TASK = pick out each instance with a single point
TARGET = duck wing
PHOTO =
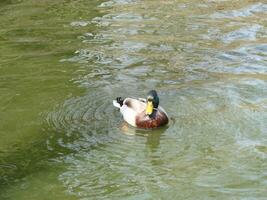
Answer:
(130, 109)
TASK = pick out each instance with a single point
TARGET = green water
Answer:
(62, 63)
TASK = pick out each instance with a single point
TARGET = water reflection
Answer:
(246, 11)
(152, 137)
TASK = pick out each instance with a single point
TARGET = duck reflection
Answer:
(152, 136)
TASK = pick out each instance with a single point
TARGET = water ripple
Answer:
(210, 74)
(244, 12)
(116, 3)
(79, 23)
(245, 33)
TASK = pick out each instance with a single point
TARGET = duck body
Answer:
(135, 112)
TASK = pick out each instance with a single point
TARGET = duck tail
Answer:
(118, 102)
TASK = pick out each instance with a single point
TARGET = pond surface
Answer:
(62, 62)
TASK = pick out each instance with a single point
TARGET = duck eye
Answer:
(149, 100)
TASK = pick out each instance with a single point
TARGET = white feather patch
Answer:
(129, 115)
(116, 104)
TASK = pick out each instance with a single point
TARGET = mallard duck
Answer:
(142, 113)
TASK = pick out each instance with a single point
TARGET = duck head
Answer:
(152, 102)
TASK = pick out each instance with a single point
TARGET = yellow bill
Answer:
(149, 108)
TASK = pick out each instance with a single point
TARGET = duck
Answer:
(142, 113)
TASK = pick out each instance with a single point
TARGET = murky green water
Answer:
(62, 62)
